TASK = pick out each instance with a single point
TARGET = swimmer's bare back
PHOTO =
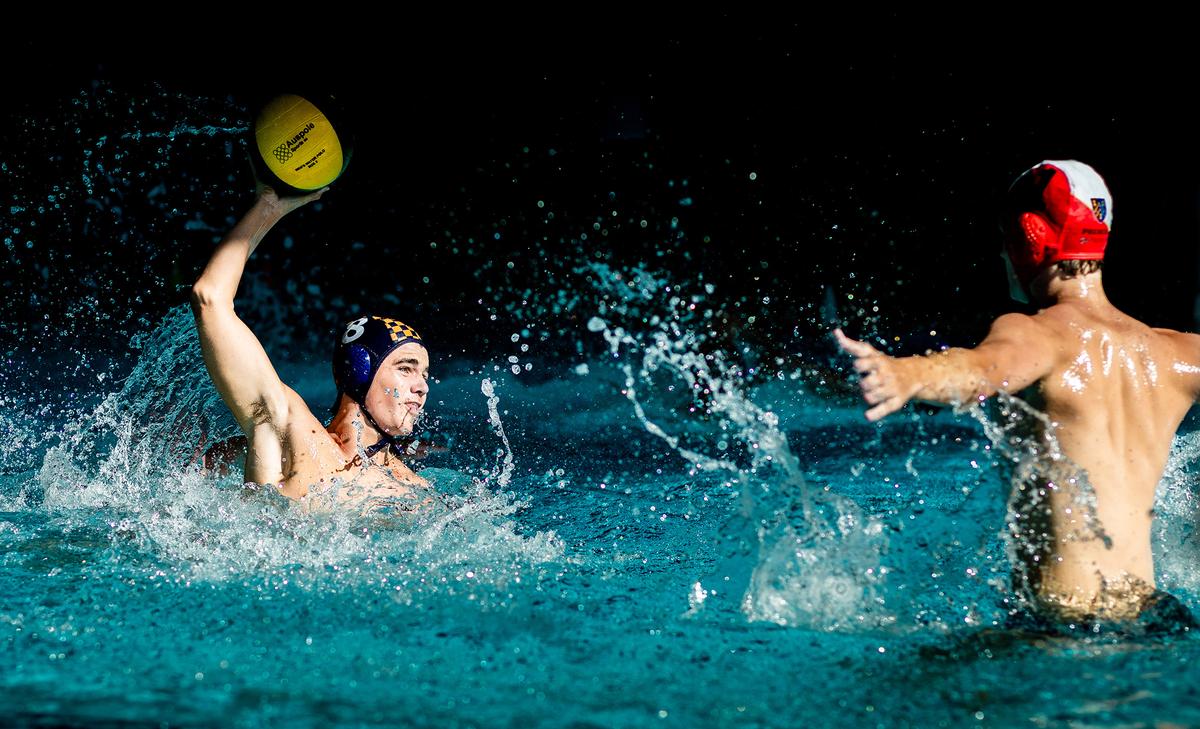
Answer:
(1116, 391)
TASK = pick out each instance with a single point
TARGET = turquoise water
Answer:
(647, 519)
(599, 579)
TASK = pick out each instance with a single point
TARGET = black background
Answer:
(881, 146)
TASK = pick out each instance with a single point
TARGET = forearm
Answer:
(951, 377)
(1017, 352)
(219, 281)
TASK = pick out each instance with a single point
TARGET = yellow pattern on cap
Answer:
(398, 329)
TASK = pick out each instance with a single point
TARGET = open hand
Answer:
(883, 383)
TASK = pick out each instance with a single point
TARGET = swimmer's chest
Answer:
(321, 465)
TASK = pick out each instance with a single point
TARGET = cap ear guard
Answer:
(1041, 236)
(360, 366)
(1036, 243)
(354, 371)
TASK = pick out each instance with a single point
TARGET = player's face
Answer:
(398, 392)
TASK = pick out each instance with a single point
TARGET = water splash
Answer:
(157, 425)
(812, 559)
(493, 401)
(1176, 538)
(133, 469)
(184, 130)
(20, 436)
(96, 186)
(1043, 479)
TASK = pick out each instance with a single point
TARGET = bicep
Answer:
(240, 368)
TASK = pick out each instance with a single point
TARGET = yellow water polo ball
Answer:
(298, 144)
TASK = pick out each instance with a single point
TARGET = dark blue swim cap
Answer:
(363, 346)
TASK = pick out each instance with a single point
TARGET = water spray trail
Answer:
(493, 401)
(817, 561)
(184, 130)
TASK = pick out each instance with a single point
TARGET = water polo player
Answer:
(1114, 391)
(380, 366)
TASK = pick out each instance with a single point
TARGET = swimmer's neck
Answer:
(351, 430)
(1087, 290)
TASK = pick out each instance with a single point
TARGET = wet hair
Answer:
(1076, 268)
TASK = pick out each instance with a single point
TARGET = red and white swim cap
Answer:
(1065, 212)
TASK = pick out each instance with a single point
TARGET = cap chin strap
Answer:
(397, 443)
(1016, 290)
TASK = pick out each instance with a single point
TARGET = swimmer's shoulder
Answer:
(1186, 343)
(1067, 324)
(405, 474)
(1181, 352)
(305, 438)
(1184, 346)
(1056, 319)
(299, 415)
(1041, 331)
(1016, 324)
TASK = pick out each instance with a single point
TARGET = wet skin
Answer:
(1115, 391)
(287, 446)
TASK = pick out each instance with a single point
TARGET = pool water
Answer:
(642, 526)
(601, 579)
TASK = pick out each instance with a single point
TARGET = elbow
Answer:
(205, 298)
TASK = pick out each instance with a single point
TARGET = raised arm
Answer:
(1016, 353)
(236, 361)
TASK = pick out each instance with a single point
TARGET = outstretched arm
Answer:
(236, 361)
(1016, 353)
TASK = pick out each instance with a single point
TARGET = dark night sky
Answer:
(880, 150)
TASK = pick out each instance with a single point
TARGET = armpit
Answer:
(269, 410)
